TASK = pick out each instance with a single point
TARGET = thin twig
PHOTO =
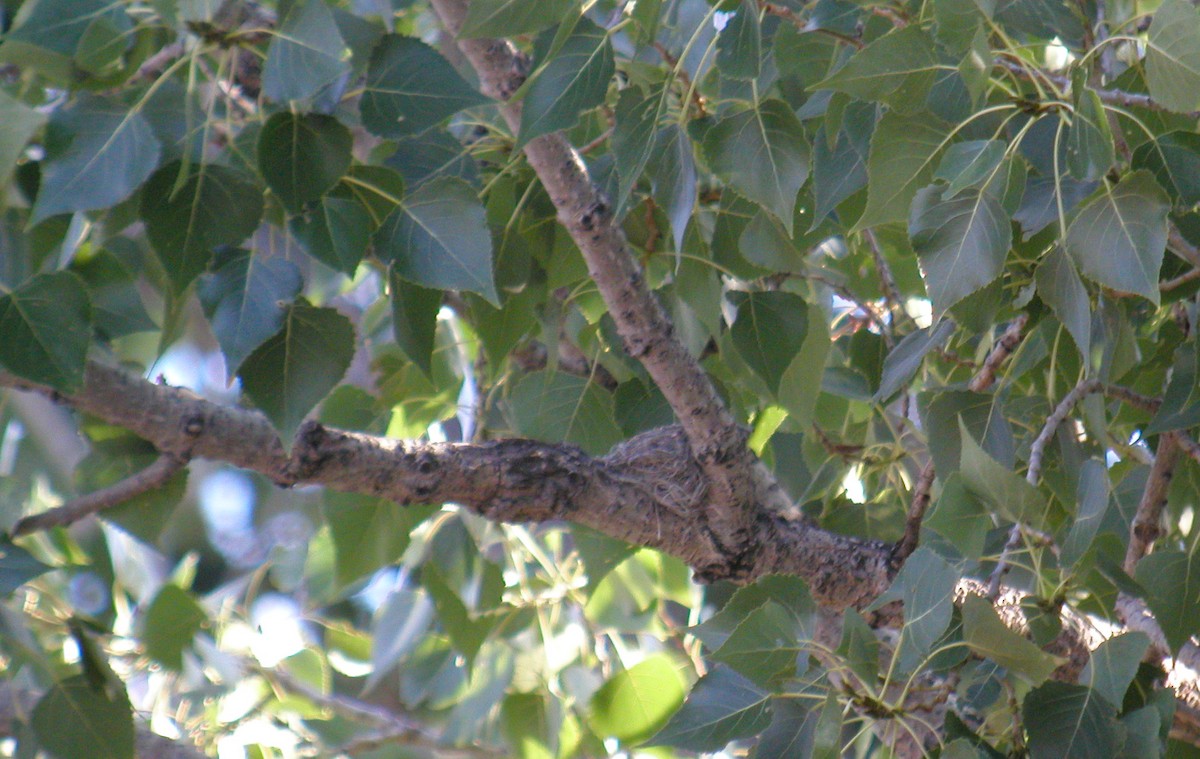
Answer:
(1037, 454)
(1145, 528)
(916, 513)
(153, 476)
(1180, 281)
(1008, 342)
(887, 280)
(1188, 444)
(1106, 95)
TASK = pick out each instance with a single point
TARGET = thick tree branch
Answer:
(647, 491)
(153, 476)
(735, 479)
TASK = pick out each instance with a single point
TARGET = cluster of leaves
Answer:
(840, 203)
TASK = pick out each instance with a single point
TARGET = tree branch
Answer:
(916, 513)
(153, 476)
(1008, 342)
(648, 490)
(1145, 528)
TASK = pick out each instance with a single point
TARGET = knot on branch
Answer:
(309, 452)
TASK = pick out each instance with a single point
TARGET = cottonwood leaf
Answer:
(897, 69)
(306, 53)
(1172, 582)
(1090, 150)
(989, 637)
(1068, 721)
(558, 407)
(75, 718)
(245, 299)
(17, 567)
(289, 374)
(637, 701)
(1059, 286)
(46, 328)
(904, 151)
(185, 220)
(303, 156)
(1173, 56)
(722, 707)
(368, 533)
(739, 45)
(961, 242)
(335, 231)
(1174, 158)
(97, 153)
(438, 238)
(1113, 664)
(763, 153)
(507, 18)
(172, 620)
(414, 320)
(574, 80)
(411, 87)
(21, 123)
(769, 331)
(1118, 237)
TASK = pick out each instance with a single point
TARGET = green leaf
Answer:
(507, 18)
(957, 23)
(245, 299)
(1113, 664)
(903, 153)
(1092, 496)
(840, 170)
(97, 153)
(1167, 575)
(466, 633)
(289, 374)
(369, 533)
(74, 718)
(762, 153)
(410, 87)
(21, 123)
(1118, 237)
(1180, 407)
(1173, 56)
(1008, 493)
(903, 361)
(303, 156)
(558, 407)
(960, 518)
(859, 647)
(414, 320)
(185, 220)
(335, 231)
(897, 69)
(46, 324)
(787, 591)
(1067, 721)
(635, 702)
(1090, 150)
(633, 136)
(1060, 288)
(969, 164)
(765, 646)
(306, 53)
(987, 636)
(117, 308)
(769, 331)
(739, 45)
(791, 731)
(17, 567)
(722, 707)
(961, 242)
(574, 80)
(672, 169)
(431, 154)
(438, 238)
(48, 34)
(171, 621)
(1174, 158)
(925, 585)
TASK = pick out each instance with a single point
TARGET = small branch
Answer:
(153, 476)
(1145, 528)
(916, 513)
(887, 280)
(1037, 453)
(1180, 281)
(1181, 247)
(1110, 96)
(1003, 348)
